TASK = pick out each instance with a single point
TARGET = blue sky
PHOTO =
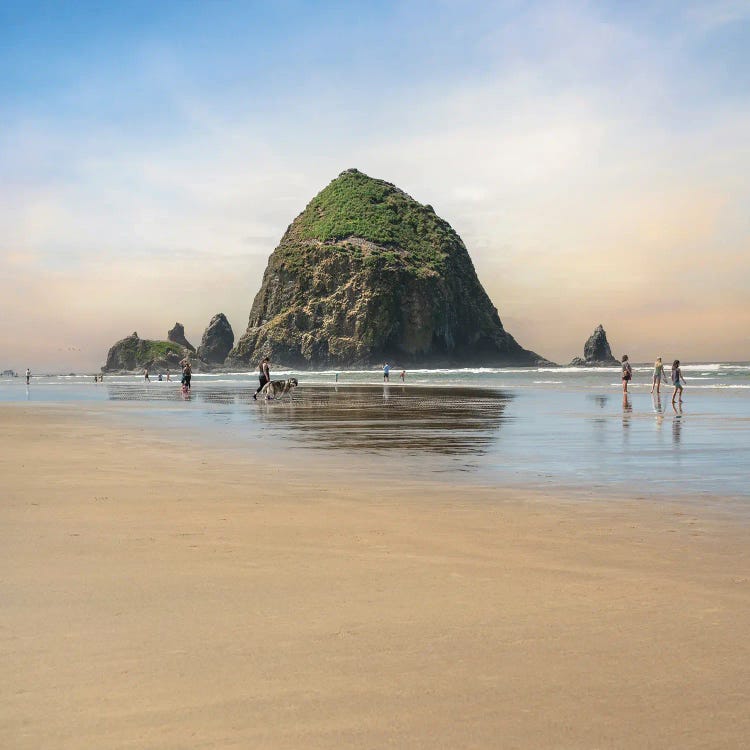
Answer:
(592, 155)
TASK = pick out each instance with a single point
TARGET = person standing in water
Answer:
(28, 375)
(677, 380)
(658, 376)
(264, 375)
(386, 373)
(145, 375)
(627, 373)
(187, 373)
(403, 375)
(169, 377)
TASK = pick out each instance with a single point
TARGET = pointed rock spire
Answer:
(596, 351)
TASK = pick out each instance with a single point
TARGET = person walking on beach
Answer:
(627, 373)
(264, 375)
(187, 373)
(169, 377)
(28, 375)
(677, 381)
(386, 373)
(403, 375)
(658, 376)
(145, 375)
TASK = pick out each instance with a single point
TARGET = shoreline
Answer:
(377, 371)
(163, 595)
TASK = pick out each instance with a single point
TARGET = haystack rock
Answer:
(366, 274)
(177, 334)
(217, 341)
(596, 351)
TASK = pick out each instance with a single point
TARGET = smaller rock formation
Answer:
(134, 353)
(177, 335)
(596, 351)
(217, 341)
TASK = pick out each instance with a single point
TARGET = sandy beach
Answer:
(158, 593)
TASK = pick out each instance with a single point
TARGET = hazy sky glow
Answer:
(593, 156)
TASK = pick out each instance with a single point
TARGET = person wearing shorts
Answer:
(677, 381)
(627, 373)
(658, 376)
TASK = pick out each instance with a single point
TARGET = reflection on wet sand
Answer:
(627, 412)
(361, 418)
(677, 424)
(658, 409)
(373, 419)
(501, 435)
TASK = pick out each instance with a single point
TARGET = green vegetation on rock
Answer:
(355, 205)
(133, 353)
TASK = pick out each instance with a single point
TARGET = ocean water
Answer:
(547, 427)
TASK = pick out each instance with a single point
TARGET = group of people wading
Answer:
(677, 377)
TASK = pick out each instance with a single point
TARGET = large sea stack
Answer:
(367, 274)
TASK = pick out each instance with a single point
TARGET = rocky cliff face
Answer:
(217, 341)
(177, 335)
(134, 353)
(596, 351)
(366, 274)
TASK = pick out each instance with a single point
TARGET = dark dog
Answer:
(277, 388)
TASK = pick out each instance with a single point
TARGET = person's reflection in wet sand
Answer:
(386, 392)
(627, 410)
(658, 409)
(677, 424)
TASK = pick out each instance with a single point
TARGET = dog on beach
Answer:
(277, 388)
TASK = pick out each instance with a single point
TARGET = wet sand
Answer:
(166, 595)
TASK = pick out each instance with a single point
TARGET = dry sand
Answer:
(157, 595)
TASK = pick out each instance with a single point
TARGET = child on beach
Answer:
(386, 372)
(658, 376)
(627, 373)
(677, 380)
